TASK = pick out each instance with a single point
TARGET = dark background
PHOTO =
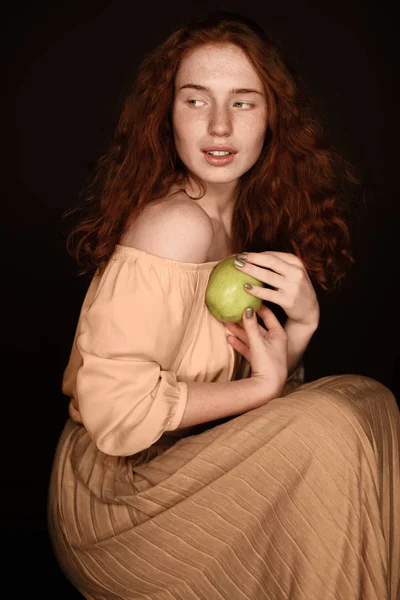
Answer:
(66, 71)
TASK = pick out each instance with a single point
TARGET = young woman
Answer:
(196, 463)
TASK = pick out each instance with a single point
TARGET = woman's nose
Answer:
(220, 122)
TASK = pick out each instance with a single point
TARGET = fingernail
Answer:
(249, 312)
(242, 256)
(239, 263)
(248, 286)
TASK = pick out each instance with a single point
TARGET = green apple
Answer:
(225, 297)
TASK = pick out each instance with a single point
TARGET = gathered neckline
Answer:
(135, 252)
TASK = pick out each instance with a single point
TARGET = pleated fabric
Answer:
(298, 499)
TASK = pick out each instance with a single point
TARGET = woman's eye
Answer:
(248, 103)
(189, 101)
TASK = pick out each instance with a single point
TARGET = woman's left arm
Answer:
(292, 290)
(298, 338)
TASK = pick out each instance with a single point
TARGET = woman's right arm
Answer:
(181, 230)
(266, 351)
(210, 401)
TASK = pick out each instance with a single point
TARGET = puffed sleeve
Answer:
(128, 339)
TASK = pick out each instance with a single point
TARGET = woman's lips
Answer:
(218, 161)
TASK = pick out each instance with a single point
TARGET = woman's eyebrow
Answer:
(232, 91)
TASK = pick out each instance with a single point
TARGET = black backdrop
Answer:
(66, 72)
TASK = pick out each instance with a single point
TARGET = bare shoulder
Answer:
(176, 228)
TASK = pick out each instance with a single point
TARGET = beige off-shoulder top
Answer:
(143, 333)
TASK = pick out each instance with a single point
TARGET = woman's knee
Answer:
(347, 409)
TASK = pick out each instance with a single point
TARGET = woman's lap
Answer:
(290, 500)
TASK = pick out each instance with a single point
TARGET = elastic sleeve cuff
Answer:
(180, 406)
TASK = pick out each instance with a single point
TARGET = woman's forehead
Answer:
(214, 62)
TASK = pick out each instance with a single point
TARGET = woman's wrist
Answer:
(266, 389)
(298, 339)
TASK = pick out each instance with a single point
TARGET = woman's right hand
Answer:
(265, 350)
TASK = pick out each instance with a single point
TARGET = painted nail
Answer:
(239, 263)
(248, 286)
(249, 312)
(242, 256)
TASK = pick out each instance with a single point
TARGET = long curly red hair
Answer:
(294, 199)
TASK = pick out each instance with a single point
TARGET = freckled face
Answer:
(210, 113)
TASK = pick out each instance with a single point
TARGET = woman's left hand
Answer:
(293, 290)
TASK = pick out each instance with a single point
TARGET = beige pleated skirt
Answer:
(298, 499)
